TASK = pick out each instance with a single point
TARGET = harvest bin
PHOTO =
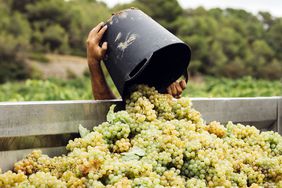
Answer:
(26, 126)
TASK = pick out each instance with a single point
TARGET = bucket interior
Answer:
(164, 67)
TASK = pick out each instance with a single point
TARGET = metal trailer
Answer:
(25, 126)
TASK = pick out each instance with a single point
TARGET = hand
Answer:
(176, 88)
(94, 51)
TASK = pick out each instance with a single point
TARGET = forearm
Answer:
(100, 88)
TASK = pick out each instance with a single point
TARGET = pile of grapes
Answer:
(157, 142)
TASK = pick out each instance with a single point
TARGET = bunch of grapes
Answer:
(157, 142)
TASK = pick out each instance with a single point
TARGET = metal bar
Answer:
(253, 111)
(279, 116)
(58, 117)
(41, 141)
(46, 118)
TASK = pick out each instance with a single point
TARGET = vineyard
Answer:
(80, 89)
(244, 87)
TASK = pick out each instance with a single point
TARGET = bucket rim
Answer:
(152, 54)
(120, 12)
(128, 86)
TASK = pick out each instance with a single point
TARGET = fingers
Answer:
(104, 49)
(176, 88)
(173, 89)
(94, 50)
(183, 84)
(96, 29)
(169, 90)
(104, 46)
(96, 33)
(99, 26)
(101, 33)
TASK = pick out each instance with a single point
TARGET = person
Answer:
(95, 54)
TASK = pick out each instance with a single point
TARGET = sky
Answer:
(254, 6)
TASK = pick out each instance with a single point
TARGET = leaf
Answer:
(133, 154)
(138, 151)
(121, 116)
(83, 131)
(129, 157)
(111, 114)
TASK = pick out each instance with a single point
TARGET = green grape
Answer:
(10, 179)
(157, 142)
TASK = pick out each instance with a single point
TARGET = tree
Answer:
(225, 42)
(49, 12)
(14, 42)
(274, 37)
(55, 38)
(230, 42)
(266, 19)
(164, 12)
(71, 21)
(85, 15)
(21, 5)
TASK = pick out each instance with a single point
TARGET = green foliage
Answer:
(232, 43)
(14, 40)
(86, 15)
(40, 26)
(80, 89)
(225, 42)
(164, 12)
(40, 90)
(21, 5)
(55, 38)
(244, 87)
(274, 37)
(58, 25)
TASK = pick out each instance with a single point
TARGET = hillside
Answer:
(59, 66)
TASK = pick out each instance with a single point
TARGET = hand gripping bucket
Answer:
(141, 51)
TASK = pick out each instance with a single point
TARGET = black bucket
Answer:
(141, 51)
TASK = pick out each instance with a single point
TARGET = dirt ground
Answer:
(60, 66)
(66, 66)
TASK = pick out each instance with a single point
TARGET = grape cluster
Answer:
(157, 142)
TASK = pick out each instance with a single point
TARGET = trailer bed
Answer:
(25, 126)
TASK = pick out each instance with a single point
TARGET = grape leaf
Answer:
(133, 154)
(83, 131)
(129, 157)
(138, 151)
(111, 114)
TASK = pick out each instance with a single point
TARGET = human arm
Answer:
(95, 53)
